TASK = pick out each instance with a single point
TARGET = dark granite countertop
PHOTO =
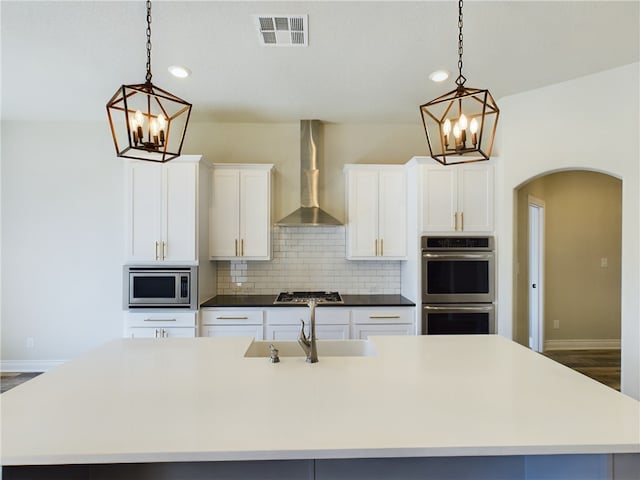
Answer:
(267, 301)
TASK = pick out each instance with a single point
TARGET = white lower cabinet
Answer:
(283, 323)
(160, 324)
(232, 322)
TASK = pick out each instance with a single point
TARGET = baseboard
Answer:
(29, 365)
(582, 344)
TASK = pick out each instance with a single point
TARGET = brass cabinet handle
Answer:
(232, 318)
(163, 250)
(461, 221)
(384, 316)
(242, 247)
(236, 247)
(375, 242)
(382, 247)
(159, 320)
(156, 250)
(455, 221)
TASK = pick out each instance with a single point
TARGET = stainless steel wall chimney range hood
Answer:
(309, 214)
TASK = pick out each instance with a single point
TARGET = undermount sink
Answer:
(326, 348)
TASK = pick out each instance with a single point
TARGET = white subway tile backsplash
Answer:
(308, 258)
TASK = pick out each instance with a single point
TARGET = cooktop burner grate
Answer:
(304, 297)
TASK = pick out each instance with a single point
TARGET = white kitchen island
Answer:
(421, 407)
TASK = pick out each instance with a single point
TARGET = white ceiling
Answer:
(367, 62)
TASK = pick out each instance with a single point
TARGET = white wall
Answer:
(590, 123)
(62, 239)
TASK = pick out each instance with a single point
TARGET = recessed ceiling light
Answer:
(439, 75)
(179, 71)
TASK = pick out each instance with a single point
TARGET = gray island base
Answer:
(427, 407)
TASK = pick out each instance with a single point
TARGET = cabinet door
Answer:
(363, 331)
(254, 331)
(332, 332)
(475, 198)
(362, 223)
(144, 211)
(439, 198)
(292, 332)
(160, 332)
(225, 214)
(255, 215)
(284, 332)
(180, 226)
(392, 214)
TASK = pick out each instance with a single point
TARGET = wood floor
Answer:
(601, 365)
(10, 380)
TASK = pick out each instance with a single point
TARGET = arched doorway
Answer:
(581, 283)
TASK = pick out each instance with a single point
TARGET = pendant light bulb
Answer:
(456, 131)
(463, 122)
(473, 126)
(446, 127)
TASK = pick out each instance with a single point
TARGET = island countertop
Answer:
(175, 399)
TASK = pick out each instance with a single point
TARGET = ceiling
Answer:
(367, 62)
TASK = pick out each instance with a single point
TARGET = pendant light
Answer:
(147, 122)
(461, 124)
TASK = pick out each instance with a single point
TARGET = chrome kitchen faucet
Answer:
(309, 344)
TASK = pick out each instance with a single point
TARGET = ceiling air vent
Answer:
(282, 30)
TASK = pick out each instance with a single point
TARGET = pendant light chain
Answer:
(148, 77)
(460, 80)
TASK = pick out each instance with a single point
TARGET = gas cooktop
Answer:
(304, 297)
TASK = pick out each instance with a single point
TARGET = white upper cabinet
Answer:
(457, 198)
(240, 223)
(162, 211)
(376, 212)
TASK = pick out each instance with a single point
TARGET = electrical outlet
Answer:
(604, 262)
(30, 342)
(556, 324)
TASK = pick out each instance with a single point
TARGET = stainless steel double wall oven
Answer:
(458, 285)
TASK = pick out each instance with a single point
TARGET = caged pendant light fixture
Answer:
(461, 124)
(147, 122)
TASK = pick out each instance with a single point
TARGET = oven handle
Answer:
(457, 255)
(476, 308)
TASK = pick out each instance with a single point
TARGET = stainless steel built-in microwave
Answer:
(160, 287)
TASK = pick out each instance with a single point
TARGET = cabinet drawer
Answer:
(164, 318)
(230, 316)
(383, 315)
(333, 316)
